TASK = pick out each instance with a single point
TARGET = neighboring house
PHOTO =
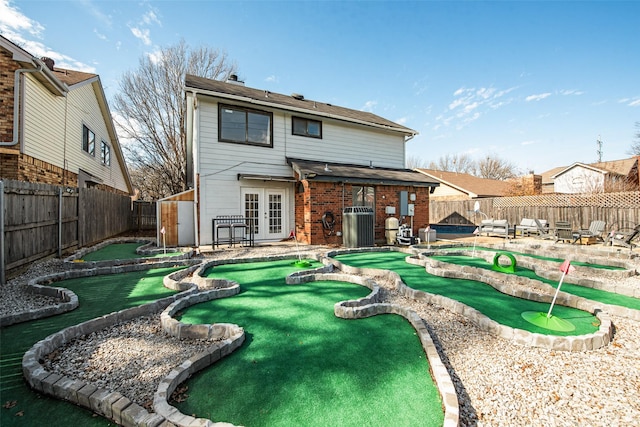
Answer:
(288, 163)
(616, 175)
(462, 186)
(55, 125)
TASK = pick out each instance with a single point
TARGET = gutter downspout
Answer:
(196, 166)
(16, 104)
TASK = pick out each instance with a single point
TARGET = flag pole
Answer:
(565, 267)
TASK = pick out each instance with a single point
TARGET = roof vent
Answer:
(233, 79)
(297, 96)
(48, 62)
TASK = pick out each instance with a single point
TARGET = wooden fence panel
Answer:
(41, 220)
(144, 215)
(102, 215)
(618, 210)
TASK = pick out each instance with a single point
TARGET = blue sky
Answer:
(533, 82)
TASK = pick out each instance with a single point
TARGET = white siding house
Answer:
(60, 124)
(242, 140)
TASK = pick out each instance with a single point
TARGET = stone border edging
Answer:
(148, 248)
(69, 302)
(571, 300)
(229, 336)
(570, 343)
(369, 306)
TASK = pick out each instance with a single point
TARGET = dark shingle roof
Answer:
(358, 174)
(72, 77)
(286, 102)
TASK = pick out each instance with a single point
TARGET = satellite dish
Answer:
(476, 207)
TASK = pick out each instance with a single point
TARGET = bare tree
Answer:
(454, 163)
(635, 145)
(151, 114)
(415, 162)
(492, 167)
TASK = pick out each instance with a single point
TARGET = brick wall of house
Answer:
(7, 75)
(315, 199)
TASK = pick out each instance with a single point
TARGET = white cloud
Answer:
(527, 142)
(99, 34)
(538, 97)
(369, 105)
(631, 102)
(13, 22)
(271, 79)
(151, 18)
(571, 92)
(142, 34)
(634, 103)
(401, 121)
(95, 11)
(469, 104)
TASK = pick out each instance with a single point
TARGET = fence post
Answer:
(59, 222)
(2, 255)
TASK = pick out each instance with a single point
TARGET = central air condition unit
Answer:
(357, 227)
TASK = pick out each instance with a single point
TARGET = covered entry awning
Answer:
(358, 174)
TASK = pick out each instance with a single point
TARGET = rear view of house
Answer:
(55, 125)
(288, 164)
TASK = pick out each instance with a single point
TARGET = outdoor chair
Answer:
(595, 230)
(624, 238)
(543, 229)
(563, 231)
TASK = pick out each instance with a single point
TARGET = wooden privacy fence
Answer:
(618, 210)
(38, 220)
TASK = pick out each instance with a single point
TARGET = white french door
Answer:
(267, 209)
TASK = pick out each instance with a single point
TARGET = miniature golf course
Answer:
(98, 295)
(605, 297)
(540, 257)
(122, 251)
(302, 365)
(499, 307)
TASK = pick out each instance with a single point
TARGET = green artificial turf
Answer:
(541, 257)
(122, 251)
(500, 307)
(582, 291)
(302, 366)
(98, 295)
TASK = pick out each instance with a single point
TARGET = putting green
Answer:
(541, 257)
(581, 291)
(303, 366)
(500, 307)
(98, 295)
(122, 251)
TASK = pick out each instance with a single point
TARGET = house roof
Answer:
(358, 174)
(294, 102)
(619, 167)
(72, 77)
(472, 185)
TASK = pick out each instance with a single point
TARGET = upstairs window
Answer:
(306, 127)
(88, 141)
(244, 126)
(105, 154)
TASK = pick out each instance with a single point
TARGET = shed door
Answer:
(186, 229)
(267, 208)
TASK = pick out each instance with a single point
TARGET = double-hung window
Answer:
(105, 154)
(245, 126)
(306, 127)
(88, 141)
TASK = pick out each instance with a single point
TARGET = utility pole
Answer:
(599, 142)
